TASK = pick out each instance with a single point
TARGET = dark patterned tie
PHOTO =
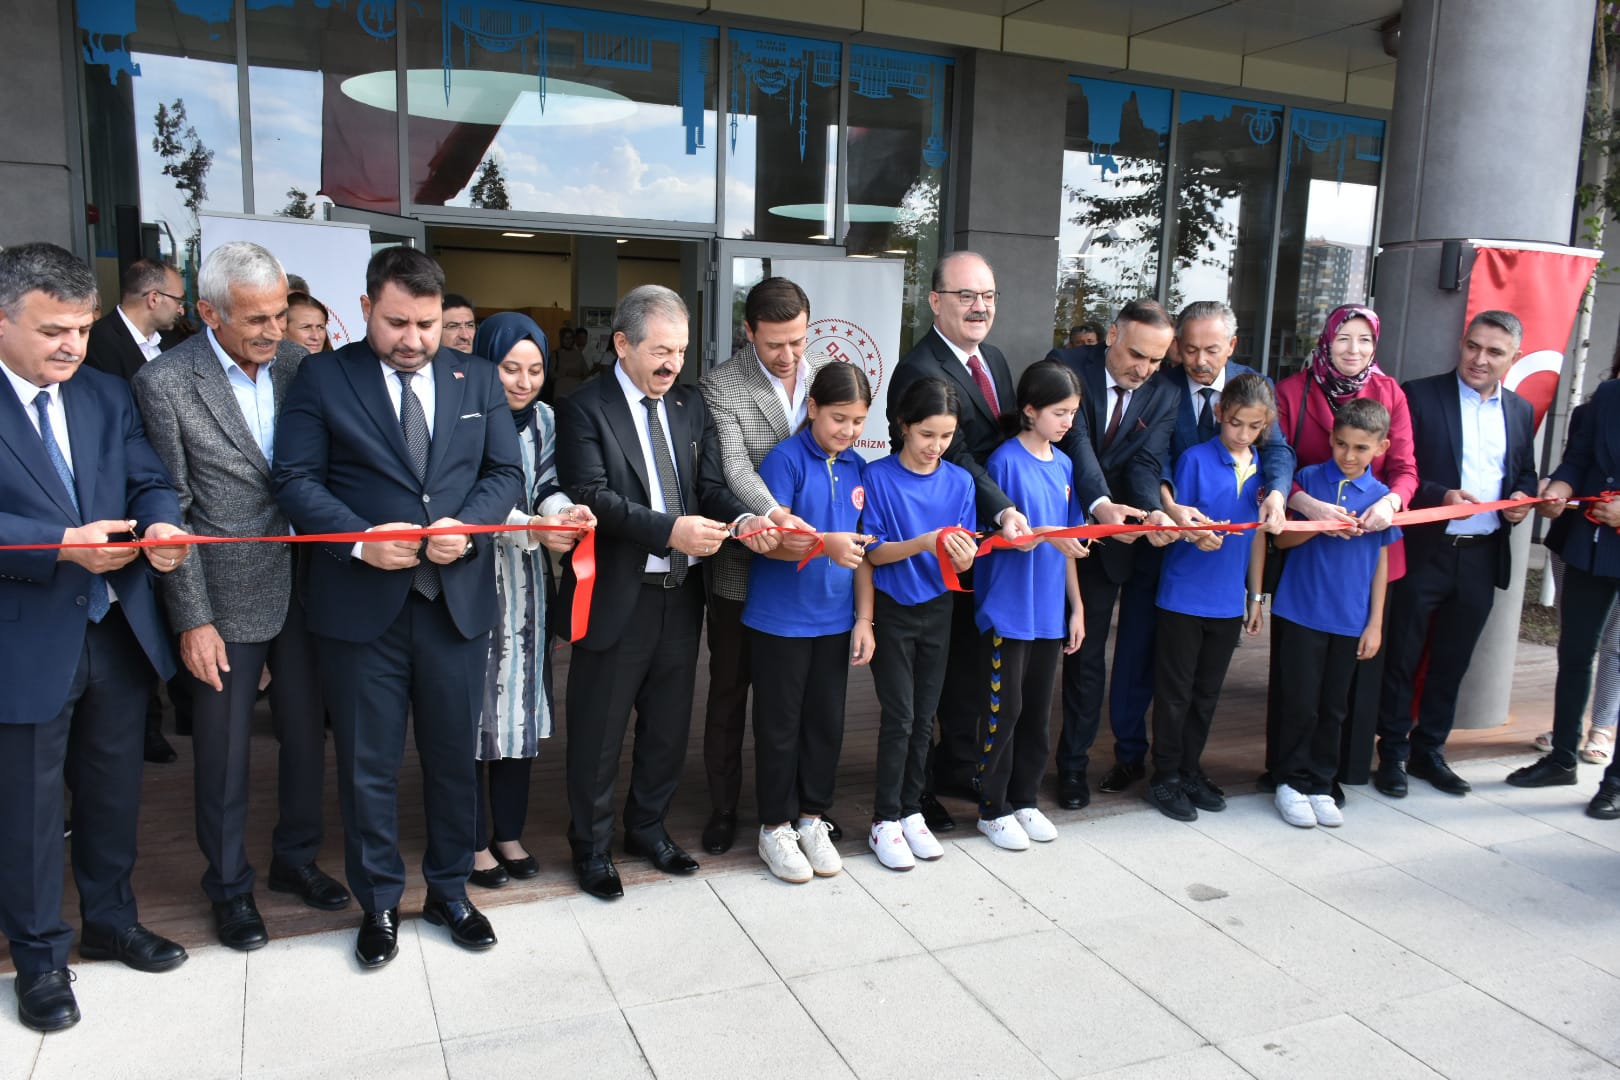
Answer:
(982, 378)
(99, 600)
(1206, 419)
(1114, 418)
(413, 421)
(668, 482)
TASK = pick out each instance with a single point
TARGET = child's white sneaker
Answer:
(1326, 811)
(1036, 825)
(779, 848)
(888, 843)
(1005, 832)
(818, 846)
(920, 838)
(1295, 807)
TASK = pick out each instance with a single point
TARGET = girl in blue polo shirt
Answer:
(910, 497)
(1018, 597)
(803, 624)
(1202, 590)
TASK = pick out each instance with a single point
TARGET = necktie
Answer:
(413, 422)
(1115, 417)
(99, 600)
(668, 482)
(1206, 418)
(981, 378)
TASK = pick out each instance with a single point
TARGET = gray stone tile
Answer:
(1567, 995)
(1334, 1046)
(1177, 859)
(1570, 860)
(955, 901)
(1205, 1063)
(751, 1031)
(597, 1047)
(1478, 820)
(1251, 827)
(793, 925)
(1377, 825)
(960, 1037)
(1076, 1013)
(1562, 808)
(423, 1062)
(18, 1046)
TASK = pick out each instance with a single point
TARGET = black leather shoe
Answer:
(936, 817)
(1390, 779)
(721, 832)
(310, 884)
(239, 925)
(45, 1002)
(1121, 776)
(493, 878)
(158, 750)
(1202, 793)
(598, 876)
(1073, 791)
(378, 940)
(1171, 800)
(1544, 773)
(520, 869)
(134, 946)
(468, 927)
(835, 831)
(1437, 772)
(663, 853)
(1605, 805)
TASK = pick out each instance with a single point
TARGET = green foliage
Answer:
(185, 158)
(489, 187)
(298, 205)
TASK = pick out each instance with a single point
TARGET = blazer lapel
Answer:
(366, 377)
(764, 395)
(1097, 393)
(449, 391)
(18, 433)
(1451, 409)
(616, 410)
(214, 387)
(955, 370)
(86, 433)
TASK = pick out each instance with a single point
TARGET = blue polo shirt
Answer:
(1327, 583)
(1212, 584)
(827, 492)
(902, 505)
(1021, 593)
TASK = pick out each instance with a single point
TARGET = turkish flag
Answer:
(1543, 287)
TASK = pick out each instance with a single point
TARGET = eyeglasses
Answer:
(452, 327)
(967, 296)
(177, 299)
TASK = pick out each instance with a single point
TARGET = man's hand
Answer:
(862, 643)
(846, 549)
(1209, 541)
(563, 542)
(799, 543)
(1113, 513)
(446, 549)
(203, 651)
(697, 536)
(1072, 547)
(1558, 494)
(1165, 520)
(98, 560)
(391, 554)
(164, 559)
(1378, 517)
(1013, 524)
(1607, 513)
(1314, 509)
(1273, 512)
(1516, 514)
(758, 538)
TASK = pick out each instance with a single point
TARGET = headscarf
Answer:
(1338, 386)
(496, 336)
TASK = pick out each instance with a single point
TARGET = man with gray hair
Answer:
(210, 407)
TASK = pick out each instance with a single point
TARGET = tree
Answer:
(489, 187)
(187, 161)
(298, 205)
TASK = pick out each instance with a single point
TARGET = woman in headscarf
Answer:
(517, 688)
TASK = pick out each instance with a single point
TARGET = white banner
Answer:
(855, 318)
(330, 255)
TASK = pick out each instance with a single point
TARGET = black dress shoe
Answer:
(309, 883)
(598, 876)
(1171, 800)
(1437, 772)
(1202, 793)
(239, 925)
(1605, 805)
(158, 750)
(1121, 776)
(378, 940)
(1544, 773)
(720, 832)
(1073, 791)
(936, 817)
(1337, 791)
(1390, 779)
(663, 853)
(45, 1002)
(493, 878)
(521, 869)
(468, 927)
(835, 831)
(134, 946)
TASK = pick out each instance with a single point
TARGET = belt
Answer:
(664, 581)
(1462, 540)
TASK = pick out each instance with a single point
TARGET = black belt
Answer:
(1462, 540)
(664, 581)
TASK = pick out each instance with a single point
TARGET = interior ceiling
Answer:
(441, 237)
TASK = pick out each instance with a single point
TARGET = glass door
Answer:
(739, 265)
(386, 229)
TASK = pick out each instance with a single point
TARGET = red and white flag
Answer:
(1541, 284)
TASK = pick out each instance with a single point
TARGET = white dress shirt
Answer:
(1196, 389)
(656, 564)
(1484, 457)
(256, 398)
(795, 405)
(422, 386)
(150, 346)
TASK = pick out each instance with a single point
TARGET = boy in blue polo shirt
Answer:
(1329, 612)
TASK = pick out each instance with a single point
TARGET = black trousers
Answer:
(1360, 726)
(651, 669)
(726, 718)
(1587, 599)
(1193, 655)
(1017, 683)
(503, 784)
(1442, 602)
(955, 759)
(799, 686)
(96, 744)
(908, 672)
(1319, 671)
(422, 670)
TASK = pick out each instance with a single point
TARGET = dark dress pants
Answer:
(955, 759)
(1193, 657)
(1587, 599)
(1131, 677)
(96, 743)
(504, 785)
(1017, 680)
(799, 686)
(908, 670)
(726, 717)
(1312, 702)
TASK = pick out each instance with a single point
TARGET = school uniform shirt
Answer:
(1020, 594)
(826, 491)
(901, 505)
(1212, 584)
(1327, 582)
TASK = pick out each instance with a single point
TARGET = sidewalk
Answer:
(1470, 937)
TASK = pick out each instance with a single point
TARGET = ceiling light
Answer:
(518, 235)
(896, 251)
(854, 256)
(506, 98)
(819, 236)
(856, 213)
(621, 241)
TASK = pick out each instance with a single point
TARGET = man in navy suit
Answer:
(1472, 437)
(83, 633)
(394, 432)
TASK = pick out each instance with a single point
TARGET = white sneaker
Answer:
(1035, 825)
(1295, 807)
(1326, 811)
(888, 842)
(779, 847)
(1005, 832)
(818, 847)
(920, 838)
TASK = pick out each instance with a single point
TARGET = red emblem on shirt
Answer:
(858, 497)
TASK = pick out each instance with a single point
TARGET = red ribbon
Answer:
(1607, 496)
(947, 570)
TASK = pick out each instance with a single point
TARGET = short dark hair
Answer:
(1363, 414)
(937, 282)
(927, 397)
(141, 277)
(775, 300)
(1505, 321)
(414, 271)
(837, 383)
(1090, 328)
(1145, 311)
(296, 283)
(1043, 383)
(455, 299)
(46, 268)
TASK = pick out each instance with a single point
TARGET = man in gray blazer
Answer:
(757, 399)
(210, 408)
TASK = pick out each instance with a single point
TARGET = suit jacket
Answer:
(749, 421)
(341, 466)
(1276, 456)
(600, 465)
(113, 350)
(195, 424)
(1591, 466)
(43, 612)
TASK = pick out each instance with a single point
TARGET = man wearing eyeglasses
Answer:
(460, 326)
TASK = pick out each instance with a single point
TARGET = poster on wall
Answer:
(855, 318)
(330, 255)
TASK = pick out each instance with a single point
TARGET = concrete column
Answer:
(38, 200)
(1475, 152)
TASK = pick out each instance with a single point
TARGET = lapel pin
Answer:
(458, 374)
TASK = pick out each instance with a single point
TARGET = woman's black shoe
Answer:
(493, 878)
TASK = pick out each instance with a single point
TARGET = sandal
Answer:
(1543, 742)
(1599, 746)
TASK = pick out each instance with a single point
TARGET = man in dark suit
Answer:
(642, 453)
(386, 433)
(1118, 456)
(210, 408)
(1473, 439)
(83, 637)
